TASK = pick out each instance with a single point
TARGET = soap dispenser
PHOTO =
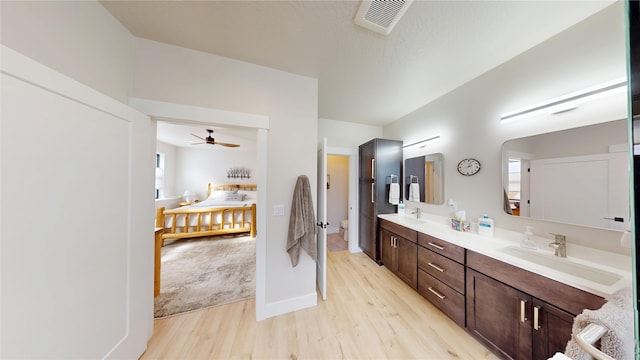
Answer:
(527, 238)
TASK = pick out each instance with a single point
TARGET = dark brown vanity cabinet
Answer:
(441, 276)
(510, 309)
(398, 251)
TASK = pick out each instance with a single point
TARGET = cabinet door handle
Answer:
(436, 267)
(436, 293)
(435, 246)
(373, 169)
(523, 310)
(536, 318)
(373, 193)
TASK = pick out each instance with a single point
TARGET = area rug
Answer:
(204, 272)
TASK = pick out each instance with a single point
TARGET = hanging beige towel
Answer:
(302, 222)
(616, 316)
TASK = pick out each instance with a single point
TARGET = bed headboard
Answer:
(229, 187)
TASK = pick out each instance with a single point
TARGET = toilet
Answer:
(344, 229)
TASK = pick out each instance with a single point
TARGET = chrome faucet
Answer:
(417, 212)
(559, 245)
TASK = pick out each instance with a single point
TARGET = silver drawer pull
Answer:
(436, 267)
(523, 311)
(436, 293)
(436, 246)
(536, 318)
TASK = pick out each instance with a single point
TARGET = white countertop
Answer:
(577, 256)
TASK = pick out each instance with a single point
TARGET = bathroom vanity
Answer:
(520, 303)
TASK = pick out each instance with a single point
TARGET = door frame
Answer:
(178, 113)
(352, 211)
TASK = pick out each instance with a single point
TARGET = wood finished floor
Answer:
(369, 314)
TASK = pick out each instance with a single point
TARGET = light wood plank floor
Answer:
(369, 313)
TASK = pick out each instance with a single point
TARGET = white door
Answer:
(321, 271)
(587, 190)
(77, 218)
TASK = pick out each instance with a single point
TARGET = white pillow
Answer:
(217, 195)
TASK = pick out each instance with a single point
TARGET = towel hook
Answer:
(412, 177)
(392, 177)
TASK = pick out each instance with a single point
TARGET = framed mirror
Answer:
(577, 176)
(424, 179)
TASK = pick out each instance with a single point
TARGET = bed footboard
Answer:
(197, 222)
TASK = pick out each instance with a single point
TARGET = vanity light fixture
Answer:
(569, 101)
(423, 142)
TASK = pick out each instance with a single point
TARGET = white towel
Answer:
(559, 356)
(414, 192)
(394, 193)
(618, 341)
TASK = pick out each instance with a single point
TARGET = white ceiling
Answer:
(363, 76)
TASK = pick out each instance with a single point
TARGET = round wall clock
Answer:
(468, 167)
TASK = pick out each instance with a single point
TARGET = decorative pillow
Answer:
(250, 194)
(230, 196)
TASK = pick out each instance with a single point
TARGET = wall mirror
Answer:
(424, 179)
(576, 176)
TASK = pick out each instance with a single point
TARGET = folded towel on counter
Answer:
(615, 315)
(394, 193)
(302, 223)
(414, 192)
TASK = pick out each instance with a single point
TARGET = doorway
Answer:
(191, 114)
(337, 202)
(201, 272)
(343, 199)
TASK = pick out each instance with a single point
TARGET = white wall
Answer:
(170, 159)
(346, 134)
(177, 75)
(592, 52)
(197, 166)
(77, 38)
(338, 192)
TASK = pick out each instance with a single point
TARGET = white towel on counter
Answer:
(394, 193)
(414, 192)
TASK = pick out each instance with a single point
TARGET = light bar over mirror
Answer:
(569, 101)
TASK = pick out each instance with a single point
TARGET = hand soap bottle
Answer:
(401, 208)
(527, 238)
(485, 226)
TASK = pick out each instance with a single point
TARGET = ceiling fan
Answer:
(210, 140)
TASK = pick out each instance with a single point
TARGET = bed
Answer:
(228, 209)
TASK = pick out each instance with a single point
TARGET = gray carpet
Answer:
(204, 272)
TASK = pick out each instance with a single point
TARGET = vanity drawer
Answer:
(442, 296)
(442, 247)
(442, 268)
(399, 230)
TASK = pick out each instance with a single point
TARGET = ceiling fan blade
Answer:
(201, 138)
(197, 143)
(226, 144)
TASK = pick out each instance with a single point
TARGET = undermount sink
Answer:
(564, 265)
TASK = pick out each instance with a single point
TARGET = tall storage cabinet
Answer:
(379, 159)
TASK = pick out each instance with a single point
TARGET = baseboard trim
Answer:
(288, 305)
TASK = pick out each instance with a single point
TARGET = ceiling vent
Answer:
(380, 15)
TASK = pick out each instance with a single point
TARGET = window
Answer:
(159, 175)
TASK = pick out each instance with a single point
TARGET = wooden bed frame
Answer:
(235, 219)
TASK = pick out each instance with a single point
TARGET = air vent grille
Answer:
(380, 15)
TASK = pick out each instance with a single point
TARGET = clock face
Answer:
(468, 167)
